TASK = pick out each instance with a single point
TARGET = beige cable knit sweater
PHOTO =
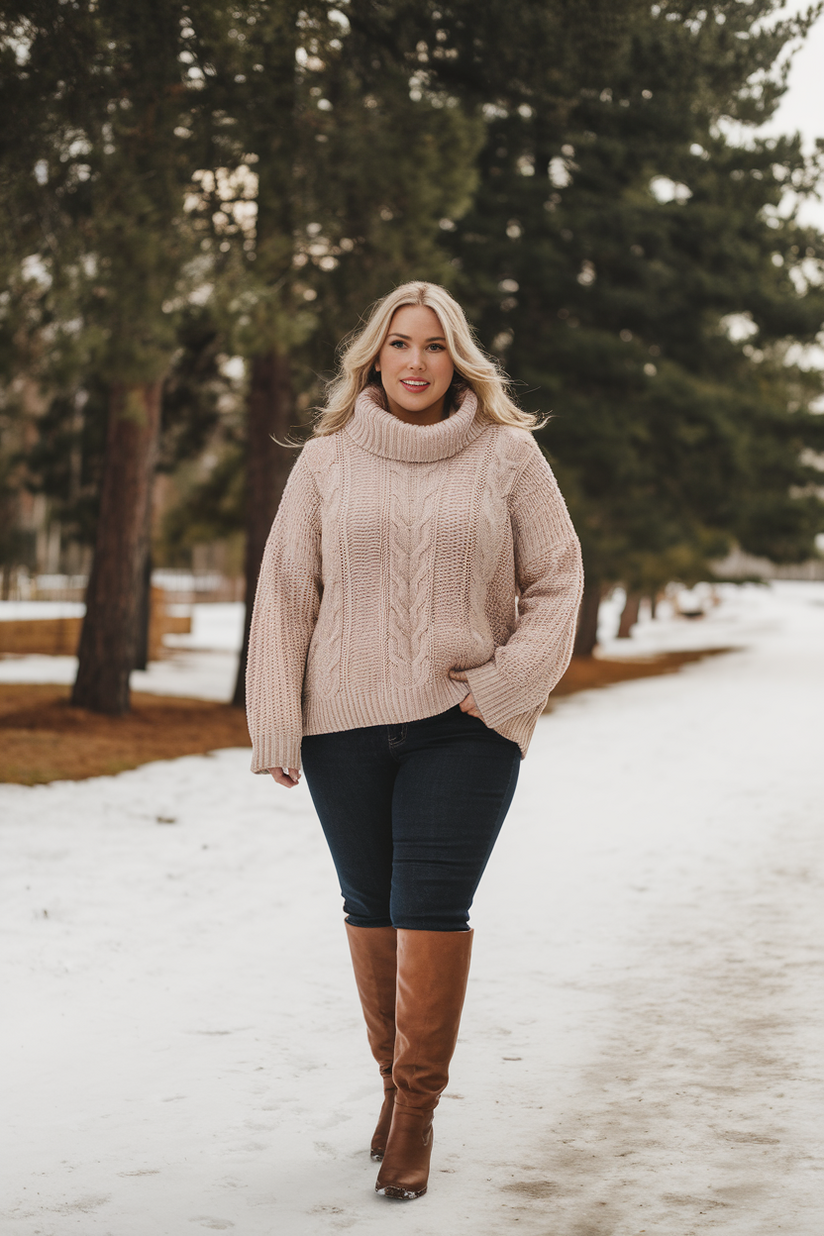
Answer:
(398, 553)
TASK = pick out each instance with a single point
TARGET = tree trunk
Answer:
(108, 642)
(144, 613)
(267, 469)
(587, 634)
(629, 615)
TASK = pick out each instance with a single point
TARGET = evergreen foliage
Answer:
(627, 259)
(182, 183)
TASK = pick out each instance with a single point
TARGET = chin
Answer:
(414, 406)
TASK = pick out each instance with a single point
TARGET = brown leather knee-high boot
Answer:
(373, 952)
(433, 968)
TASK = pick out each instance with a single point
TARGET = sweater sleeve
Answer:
(286, 609)
(549, 577)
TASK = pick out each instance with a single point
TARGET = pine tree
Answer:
(104, 133)
(617, 245)
(621, 247)
(232, 150)
(334, 183)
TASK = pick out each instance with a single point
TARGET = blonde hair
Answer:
(473, 369)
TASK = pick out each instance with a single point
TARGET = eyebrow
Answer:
(398, 335)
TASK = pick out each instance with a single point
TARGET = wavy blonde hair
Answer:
(473, 368)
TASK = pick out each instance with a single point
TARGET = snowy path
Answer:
(641, 1048)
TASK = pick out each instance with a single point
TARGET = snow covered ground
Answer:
(17, 611)
(199, 674)
(641, 1048)
(203, 664)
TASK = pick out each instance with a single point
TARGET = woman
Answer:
(416, 605)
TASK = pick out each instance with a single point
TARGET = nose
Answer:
(416, 359)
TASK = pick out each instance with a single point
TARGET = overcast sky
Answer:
(802, 108)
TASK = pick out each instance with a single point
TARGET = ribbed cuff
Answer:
(275, 751)
(497, 699)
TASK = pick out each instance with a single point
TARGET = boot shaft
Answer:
(433, 969)
(374, 951)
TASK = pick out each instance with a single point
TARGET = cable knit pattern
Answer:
(400, 552)
(412, 507)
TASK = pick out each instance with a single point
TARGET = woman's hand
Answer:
(467, 704)
(286, 776)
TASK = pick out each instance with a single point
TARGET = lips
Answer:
(413, 385)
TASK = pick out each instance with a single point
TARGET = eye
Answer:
(437, 347)
(396, 343)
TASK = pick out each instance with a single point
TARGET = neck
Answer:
(427, 416)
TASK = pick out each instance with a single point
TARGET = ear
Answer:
(377, 366)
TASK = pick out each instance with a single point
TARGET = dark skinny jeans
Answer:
(411, 813)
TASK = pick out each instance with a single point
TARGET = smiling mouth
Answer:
(413, 385)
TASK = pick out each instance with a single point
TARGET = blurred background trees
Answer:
(629, 263)
(199, 200)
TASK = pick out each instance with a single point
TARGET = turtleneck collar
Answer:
(381, 433)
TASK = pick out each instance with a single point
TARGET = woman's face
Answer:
(414, 365)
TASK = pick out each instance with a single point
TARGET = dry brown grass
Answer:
(42, 738)
(585, 673)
